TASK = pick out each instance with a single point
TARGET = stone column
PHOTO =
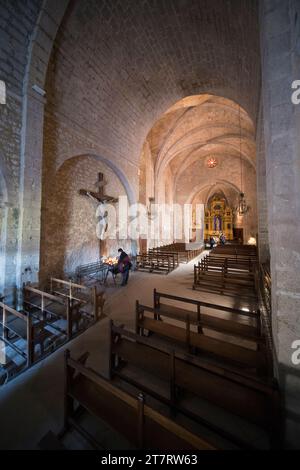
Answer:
(280, 49)
(31, 154)
(262, 201)
(30, 190)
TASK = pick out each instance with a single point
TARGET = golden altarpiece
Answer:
(218, 219)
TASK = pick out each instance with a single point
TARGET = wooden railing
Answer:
(79, 293)
(36, 300)
(265, 300)
(25, 331)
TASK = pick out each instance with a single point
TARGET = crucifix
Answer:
(101, 198)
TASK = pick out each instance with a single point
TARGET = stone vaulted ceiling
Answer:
(197, 128)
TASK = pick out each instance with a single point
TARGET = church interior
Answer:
(149, 225)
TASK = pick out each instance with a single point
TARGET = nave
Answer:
(36, 398)
(133, 136)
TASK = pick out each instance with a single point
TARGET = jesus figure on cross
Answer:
(102, 200)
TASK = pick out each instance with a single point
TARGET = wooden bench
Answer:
(184, 255)
(141, 425)
(92, 301)
(208, 316)
(156, 263)
(230, 264)
(158, 252)
(206, 267)
(245, 267)
(226, 352)
(222, 280)
(251, 399)
(22, 325)
(52, 308)
(235, 251)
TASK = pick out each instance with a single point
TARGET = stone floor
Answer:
(32, 404)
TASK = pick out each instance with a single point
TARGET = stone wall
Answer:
(280, 39)
(117, 67)
(17, 22)
(69, 219)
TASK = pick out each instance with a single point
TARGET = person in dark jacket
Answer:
(124, 266)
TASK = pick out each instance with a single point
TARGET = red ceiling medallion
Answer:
(212, 162)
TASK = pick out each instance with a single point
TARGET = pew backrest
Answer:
(143, 426)
(248, 397)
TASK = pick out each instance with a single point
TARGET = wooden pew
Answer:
(92, 302)
(223, 281)
(203, 315)
(51, 308)
(225, 270)
(251, 399)
(231, 264)
(157, 252)
(184, 255)
(226, 352)
(156, 263)
(22, 325)
(141, 425)
(244, 268)
(235, 251)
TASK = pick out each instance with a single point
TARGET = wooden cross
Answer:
(99, 196)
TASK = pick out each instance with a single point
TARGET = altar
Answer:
(218, 219)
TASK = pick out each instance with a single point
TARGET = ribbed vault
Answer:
(180, 144)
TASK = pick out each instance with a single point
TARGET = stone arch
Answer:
(118, 172)
(227, 184)
(69, 221)
(210, 187)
